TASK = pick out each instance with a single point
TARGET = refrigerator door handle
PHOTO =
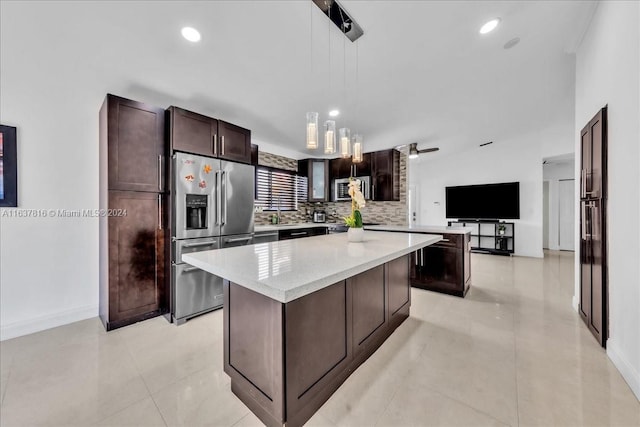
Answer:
(223, 196)
(218, 198)
(160, 172)
(594, 222)
(159, 212)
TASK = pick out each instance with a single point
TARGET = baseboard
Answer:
(25, 327)
(575, 303)
(627, 370)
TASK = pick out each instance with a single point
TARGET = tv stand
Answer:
(489, 236)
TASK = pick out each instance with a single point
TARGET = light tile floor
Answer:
(513, 352)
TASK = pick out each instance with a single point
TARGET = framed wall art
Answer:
(8, 167)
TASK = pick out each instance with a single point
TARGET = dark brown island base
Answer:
(443, 267)
(304, 314)
(286, 359)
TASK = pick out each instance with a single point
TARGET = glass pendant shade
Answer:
(345, 142)
(329, 137)
(312, 130)
(357, 148)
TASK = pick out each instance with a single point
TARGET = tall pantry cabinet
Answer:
(133, 212)
(593, 216)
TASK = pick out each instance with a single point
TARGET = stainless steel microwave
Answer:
(341, 188)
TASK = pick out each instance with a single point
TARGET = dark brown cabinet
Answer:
(132, 228)
(195, 133)
(235, 143)
(444, 266)
(593, 255)
(192, 132)
(298, 233)
(134, 143)
(345, 168)
(286, 359)
(385, 175)
(136, 280)
(317, 173)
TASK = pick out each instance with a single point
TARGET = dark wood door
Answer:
(368, 307)
(193, 133)
(235, 142)
(385, 175)
(442, 268)
(593, 257)
(364, 167)
(340, 168)
(136, 255)
(136, 148)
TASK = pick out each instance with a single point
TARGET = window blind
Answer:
(279, 188)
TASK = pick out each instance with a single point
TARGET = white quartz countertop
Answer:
(429, 229)
(290, 269)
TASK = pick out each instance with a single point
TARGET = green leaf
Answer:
(358, 219)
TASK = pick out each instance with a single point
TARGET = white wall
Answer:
(554, 172)
(608, 72)
(519, 159)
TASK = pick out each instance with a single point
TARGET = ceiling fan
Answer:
(413, 150)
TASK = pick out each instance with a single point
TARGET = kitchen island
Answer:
(443, 267)
(301, 315)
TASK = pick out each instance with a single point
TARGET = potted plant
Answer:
(354, 221)
(501, 229)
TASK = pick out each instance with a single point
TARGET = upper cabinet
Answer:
(592, 157)
(197, 134)
(345, 168)
(135, 143)
(317, 173)
(385, 175)
(235, 142)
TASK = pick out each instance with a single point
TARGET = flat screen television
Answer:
(488, 201)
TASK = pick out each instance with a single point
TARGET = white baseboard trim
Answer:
(627, 370)
(575, 303)
(25, 327)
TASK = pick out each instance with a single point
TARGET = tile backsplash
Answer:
(378, 212)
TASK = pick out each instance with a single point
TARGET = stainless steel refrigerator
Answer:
(212, 204)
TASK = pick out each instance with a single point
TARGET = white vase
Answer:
(355, 234)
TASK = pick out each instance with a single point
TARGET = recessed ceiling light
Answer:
(334, 113)
(191, 34)
(489, 26)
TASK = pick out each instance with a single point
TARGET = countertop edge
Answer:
(285, 296)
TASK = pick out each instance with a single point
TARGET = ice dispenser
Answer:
(196, 214)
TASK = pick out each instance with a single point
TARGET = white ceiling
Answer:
(426, 74)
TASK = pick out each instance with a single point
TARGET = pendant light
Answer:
(312, 130)
(357, 148)
(329, 137)
(329, 125)
(345, 142)
(312, 117)
(357, 138)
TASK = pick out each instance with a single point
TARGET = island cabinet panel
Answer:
(254, 357)
(369, 306)
(399, 292)
(317, 337)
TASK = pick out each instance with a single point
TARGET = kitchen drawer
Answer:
(450, 241)
(297, 233)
